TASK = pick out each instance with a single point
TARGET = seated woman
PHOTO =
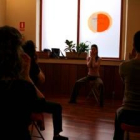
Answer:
(93, 64)
(18, 92)
(129, 112)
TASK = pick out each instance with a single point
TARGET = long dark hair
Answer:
(30, 48)
(10, 44)
(95, 46)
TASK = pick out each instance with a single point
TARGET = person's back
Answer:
(17, 103)
(129, 112)
(18, 96)
(131, 71)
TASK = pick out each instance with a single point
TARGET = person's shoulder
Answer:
(125, 63)
(23, 83)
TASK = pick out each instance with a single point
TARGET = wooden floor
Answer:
(85, 120)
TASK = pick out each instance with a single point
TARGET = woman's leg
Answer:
(76, 87)
(56, 110)
(101, 90)
(53, 108)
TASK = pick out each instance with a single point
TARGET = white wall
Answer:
(2, 12)
(22, 11)
(133, 23)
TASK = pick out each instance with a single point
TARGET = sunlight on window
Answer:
(100, 24)
(59, 22)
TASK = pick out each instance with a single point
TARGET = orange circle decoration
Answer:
(99, 22)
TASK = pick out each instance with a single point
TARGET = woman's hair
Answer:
(137, 41)
(30, 48)
(95, 46)
(10, 47)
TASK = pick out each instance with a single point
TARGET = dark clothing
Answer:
(126, 116)
(129, 113)
(34, 72)
(130, 72)
(81, 82)
(56, 110)
(49, 107)
(18, 101)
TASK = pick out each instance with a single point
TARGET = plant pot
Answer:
(75, 55)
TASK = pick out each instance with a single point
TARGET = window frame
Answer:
(78, 30)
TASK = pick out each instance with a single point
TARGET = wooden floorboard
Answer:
(85, 120)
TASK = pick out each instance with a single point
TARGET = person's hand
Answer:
(92, 53)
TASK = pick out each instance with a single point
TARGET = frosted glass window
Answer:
(59, 22)
(100, 24)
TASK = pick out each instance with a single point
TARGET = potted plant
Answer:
(70, 49)
(70, 46)
(76, 52)
(82, 50)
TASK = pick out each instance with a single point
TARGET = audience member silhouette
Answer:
(129, 70)
(18, 92)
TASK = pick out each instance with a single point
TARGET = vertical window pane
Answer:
(59, 22)
(100, 24)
